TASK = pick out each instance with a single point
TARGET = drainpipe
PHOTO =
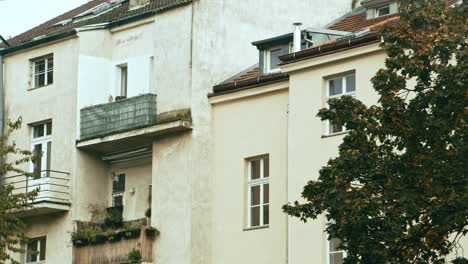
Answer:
(2, 112)
(297, 36)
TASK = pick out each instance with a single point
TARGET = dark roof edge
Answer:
(36, 42)
(338, 46)
(248, 84)
(71, 32)
(130, 19)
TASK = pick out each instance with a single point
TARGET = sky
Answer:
(17, 16)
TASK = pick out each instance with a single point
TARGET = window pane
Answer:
(274, 58)
(118, 184)
(350, 83)
(255, 169)
(32, 250)
(39, 66)
(335, 127)
(336, 87)
(255, 216)
(48, 128)
(42, 249)
(266, 167)
(50, 64)
(266, 214)
(336, 258)
(38, 131)
(117, 200)
(38, 163)
(383, 11)
(255, 195)
(40, 80)
(50, 77)
(123, 80)
(266, 193)
(49, 150)
(334, 244)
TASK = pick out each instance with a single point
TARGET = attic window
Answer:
(383, 11)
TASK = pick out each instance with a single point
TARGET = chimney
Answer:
(133, 4)
(297, 37)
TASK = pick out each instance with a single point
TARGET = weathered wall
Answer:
(137, 182)
(222, 36)
(35, 105)
(244, 128)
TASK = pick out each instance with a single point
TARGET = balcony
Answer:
(124, 115)
(128, 124)
(53, 192)
(113, 246)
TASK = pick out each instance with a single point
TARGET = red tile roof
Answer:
(118, 12)
(359, 22)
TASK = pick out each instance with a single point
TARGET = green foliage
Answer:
(114, 217)
(397, 192)
(12, 162)
(134, 255)
(87, 232)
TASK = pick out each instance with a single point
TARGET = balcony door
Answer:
(41, 143)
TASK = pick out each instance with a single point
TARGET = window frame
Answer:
(46, 58)
(267, 60)
(46, 142)
(123, 79)
(328, 96)
(39, 240)
(261, 182)
(329, 252)
(377, 11)
(118, 193)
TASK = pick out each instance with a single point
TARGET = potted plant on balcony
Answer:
(131, 230)
(98, 239)
(134, 256)
(114, 217)
(79, 240)
(113, 236)
(151, 232)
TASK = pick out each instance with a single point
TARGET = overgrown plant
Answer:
(134, 256)
(397, 192)
(12, 160)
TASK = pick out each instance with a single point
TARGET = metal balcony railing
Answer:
(124, 115)
(52, 186)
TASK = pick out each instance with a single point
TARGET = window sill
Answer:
(256, 227)
(35, 88)
(335, 134)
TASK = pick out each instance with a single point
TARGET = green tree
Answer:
(11, 227)
(397, 192)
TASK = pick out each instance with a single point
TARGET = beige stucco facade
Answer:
(178, 55)
(284, 115)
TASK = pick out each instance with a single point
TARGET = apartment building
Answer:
(113, 93)
(268, 142)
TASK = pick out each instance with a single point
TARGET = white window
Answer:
(118, 189)
(123, 80)
(335, 255)
(383, 11)
(258, 192)
(42, 144)
(36, 250)
(337, 87)
(272, 59)
(43, 71)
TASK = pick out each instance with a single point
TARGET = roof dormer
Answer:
(379, 8)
